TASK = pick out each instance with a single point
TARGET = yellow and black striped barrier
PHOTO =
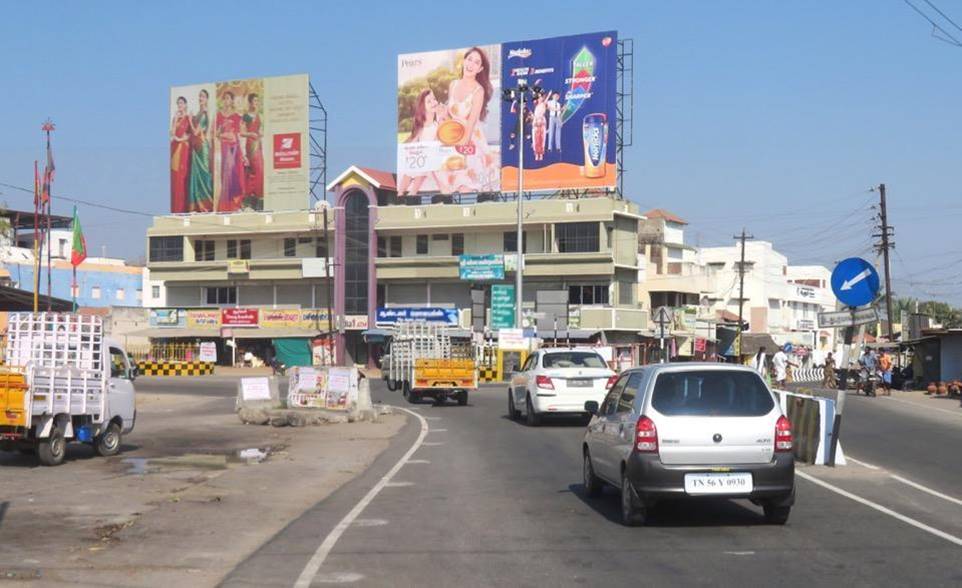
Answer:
(175, 368)
(487, 374)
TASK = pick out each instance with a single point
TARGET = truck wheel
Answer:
(108, 443)
(406, 392)
(51, 451)
(463, 398)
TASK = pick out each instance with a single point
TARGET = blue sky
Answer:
(770, 115)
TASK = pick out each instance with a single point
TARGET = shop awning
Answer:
(238, 332)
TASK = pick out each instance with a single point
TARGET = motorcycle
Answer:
(868, 382)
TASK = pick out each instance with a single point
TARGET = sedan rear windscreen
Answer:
(711, 393)
(573, 359)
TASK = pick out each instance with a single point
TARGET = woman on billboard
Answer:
(232, 159)
(427, 111)
(471, 170)
(179, 156)
(201, 186)
(254, 166)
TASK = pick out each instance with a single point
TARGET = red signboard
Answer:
(700, 345)
(239, 317)
(287, 151)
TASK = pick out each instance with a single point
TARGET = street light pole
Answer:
(519, 272)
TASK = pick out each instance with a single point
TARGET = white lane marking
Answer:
(920, 407)
(410, 461)
(339, 578)
(433, 418)
(438, 431)
(317, 560)
(926, 489)
(433, 443)
(862, 463)
(882, 509)
(370, 522)
(398, 484)
(739, 553)
(906, 481)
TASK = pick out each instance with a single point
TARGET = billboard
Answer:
(240, 145)
(456, 134)
(449, 121)
(568, 135)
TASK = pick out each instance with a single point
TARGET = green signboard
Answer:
(502, 306)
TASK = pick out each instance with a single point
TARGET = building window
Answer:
(121, 293)
(155, 292)
(203, 250)
(320, 247)
(232, 249)
(356, 253)
(588, 294)
(510, 241)
(166, 249)
(381, 247)
(395, 246)
(290, 247)
(422, 245)
(457, 244)
(245, 249)
(222, 295)
(577, 237)
(626, 293)
(95, 292)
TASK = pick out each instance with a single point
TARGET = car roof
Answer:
(569, 349)
(692, 366)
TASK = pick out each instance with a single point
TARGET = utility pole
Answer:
(328, 340)
(741, 286)
(884, 245)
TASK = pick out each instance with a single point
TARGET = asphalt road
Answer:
(487, 501)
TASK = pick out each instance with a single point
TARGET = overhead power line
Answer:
(945, 36)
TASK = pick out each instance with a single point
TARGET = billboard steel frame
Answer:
(317, 129)
(624, 107)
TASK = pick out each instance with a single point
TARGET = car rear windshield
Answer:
(573, 359)
(711, 393)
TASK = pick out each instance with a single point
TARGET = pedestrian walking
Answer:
(885, 367)
(828, 377)
(758, 363)
(780, 364)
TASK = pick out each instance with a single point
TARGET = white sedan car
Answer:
(558, 381)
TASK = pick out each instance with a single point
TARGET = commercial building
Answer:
(260, 276)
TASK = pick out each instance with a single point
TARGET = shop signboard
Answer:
(478, 268)
(240, 145)
(166, 317)
(502, 306)
(354, 322)
(239, 317)
(512, 340)
(203, 319)
(294, 319)
(447, 142)
(392, 315)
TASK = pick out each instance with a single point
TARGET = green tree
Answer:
(942, 313)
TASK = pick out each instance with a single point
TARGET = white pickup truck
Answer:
(63, 381)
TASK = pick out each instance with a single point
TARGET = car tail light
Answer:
(544, 382)
(611, 382)
(646, 436)
(783, 434)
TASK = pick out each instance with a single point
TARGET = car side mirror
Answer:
(591, 407)
(133, 372)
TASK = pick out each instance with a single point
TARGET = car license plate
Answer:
(719, 483)
(579, 383)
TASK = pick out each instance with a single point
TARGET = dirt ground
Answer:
(179, 505)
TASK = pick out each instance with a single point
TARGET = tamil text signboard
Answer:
(481, 267)
(240, 145)
(392, 315)
(239, 317)
(502, 306)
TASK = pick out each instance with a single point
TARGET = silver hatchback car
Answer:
(690, 430)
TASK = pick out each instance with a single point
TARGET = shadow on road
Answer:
(700, 512)
(75, 452)
(551, 422)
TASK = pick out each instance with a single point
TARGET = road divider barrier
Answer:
(175, 368)
(813, 421)
(808, 375)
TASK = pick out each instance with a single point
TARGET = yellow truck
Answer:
(424, 360)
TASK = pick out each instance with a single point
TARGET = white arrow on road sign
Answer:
(847, 284)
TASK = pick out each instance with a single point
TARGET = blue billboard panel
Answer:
(481, 267)
(391, 315)
(568, 132)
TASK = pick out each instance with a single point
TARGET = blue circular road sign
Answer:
(855, 282)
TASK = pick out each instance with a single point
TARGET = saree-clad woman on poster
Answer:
(201, 186)
(228, 129)
(254, 170)
(179, 156)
